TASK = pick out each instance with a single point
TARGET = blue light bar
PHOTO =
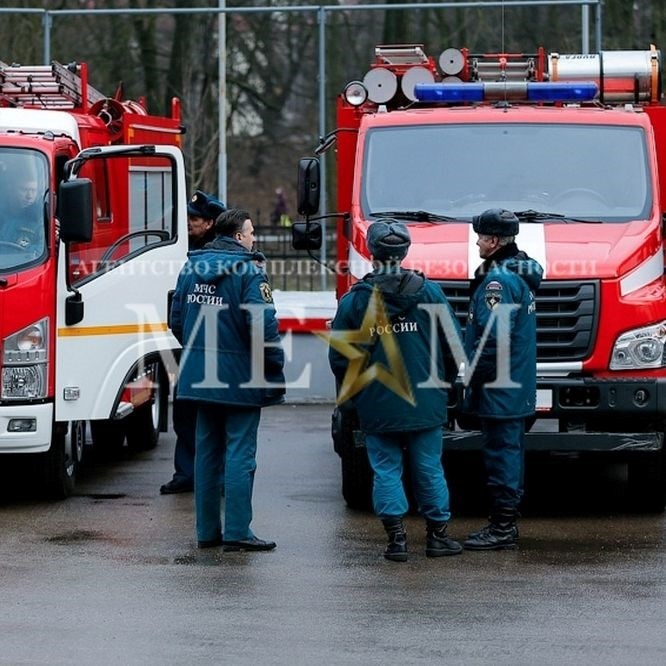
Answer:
(449, 92)
(551, 91)
(562, 91)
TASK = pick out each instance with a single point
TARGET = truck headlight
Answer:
(24, 363)
(640, 348)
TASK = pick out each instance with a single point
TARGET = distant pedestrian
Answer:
(223, 315)
(506, 278)
(384, 315)
(279, 214)
(202, 211)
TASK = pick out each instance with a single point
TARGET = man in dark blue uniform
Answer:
(507, 279)
(202, 211)
(22, 215)
(403, 328)
(232, 366)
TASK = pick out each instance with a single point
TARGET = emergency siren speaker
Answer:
(381, 84)
(451, 61)
(413, 76)
(621, 76)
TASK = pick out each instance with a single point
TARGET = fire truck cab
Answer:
(93, 232)
(575, 145)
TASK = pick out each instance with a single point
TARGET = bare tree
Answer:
(272, 78)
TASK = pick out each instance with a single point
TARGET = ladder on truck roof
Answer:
(53, 86)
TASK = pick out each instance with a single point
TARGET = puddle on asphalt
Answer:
(75, 536)
(104, 496)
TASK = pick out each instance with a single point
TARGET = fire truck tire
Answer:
(143, 427)
(356, 471)
(356, 478)
(646, 479)
(108, 437)
(60, 464)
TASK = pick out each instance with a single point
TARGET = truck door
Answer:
(120, 278)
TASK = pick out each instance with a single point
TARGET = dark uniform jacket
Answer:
(224, 343)
(423, 351)
(508, 277)
(24, 227)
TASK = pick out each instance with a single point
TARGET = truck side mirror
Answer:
(75, 210)
(308, 186)
(306, 236)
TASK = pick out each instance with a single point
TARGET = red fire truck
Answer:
(576, 146)
(92, 235)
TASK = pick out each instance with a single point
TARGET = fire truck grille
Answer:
(567, 315)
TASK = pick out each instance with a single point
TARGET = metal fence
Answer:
(289, 269)
(292, 270)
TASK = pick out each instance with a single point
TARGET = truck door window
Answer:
(151, 202)
(23, 198)
(133, 211)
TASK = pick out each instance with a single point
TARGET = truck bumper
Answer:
(589, 415)
(566, 442)
(35, 440)
(617, 399)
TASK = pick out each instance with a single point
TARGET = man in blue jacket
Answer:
(502, 397)
(404, 326)
(231, 367)
(202, 211)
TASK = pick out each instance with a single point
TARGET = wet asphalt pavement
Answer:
(113, 575)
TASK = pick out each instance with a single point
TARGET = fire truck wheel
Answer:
(356, 478)
(144, 425)
(60, 463)
(108, 438)
(356, 470)
(646, 479)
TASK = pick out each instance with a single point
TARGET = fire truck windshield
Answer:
(587, 172)
(23, 188)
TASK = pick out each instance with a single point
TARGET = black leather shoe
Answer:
(249, 544)
(396, 548)
(493, 537)
(438, 544)
(213, 543)
(175, 486)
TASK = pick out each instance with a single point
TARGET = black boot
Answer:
(500, 534)
(438, 544)
(396, 549)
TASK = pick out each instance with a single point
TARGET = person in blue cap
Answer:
(202, 211)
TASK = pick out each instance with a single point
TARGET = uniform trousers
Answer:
(504, 458)
(184, 425)
(226, 443)
(423, 449)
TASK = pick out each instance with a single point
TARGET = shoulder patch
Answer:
(493, 294)
(266, 292)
